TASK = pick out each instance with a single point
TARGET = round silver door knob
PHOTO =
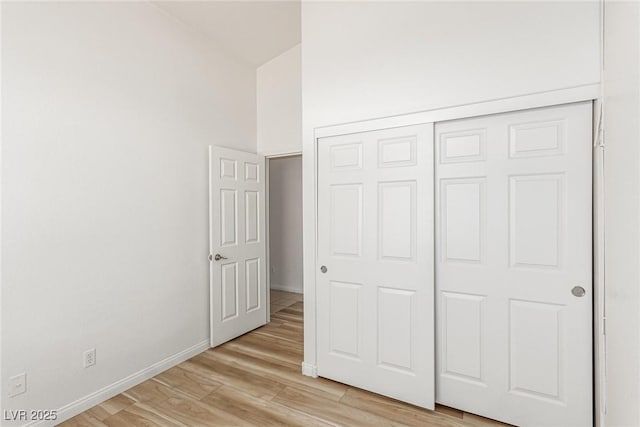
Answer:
(218, 257)
(578, 291)
(323, 269)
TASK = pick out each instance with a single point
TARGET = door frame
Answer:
(582, 93)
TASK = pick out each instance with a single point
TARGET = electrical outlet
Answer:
(89, 357)
(18, 384)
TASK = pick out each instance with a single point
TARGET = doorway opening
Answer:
(284, 236)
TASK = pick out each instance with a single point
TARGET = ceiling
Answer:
(252, 31)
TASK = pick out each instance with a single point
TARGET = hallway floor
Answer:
(255, 380)
(282, 299)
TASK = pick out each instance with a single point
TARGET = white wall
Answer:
(108, 109)
(279, 104)
(622, 211)
(362, 60)
(285, 223)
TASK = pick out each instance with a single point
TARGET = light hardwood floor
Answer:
(281, 299)
(255, 380)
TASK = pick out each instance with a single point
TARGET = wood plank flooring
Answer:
(281, 299)
(255, 380)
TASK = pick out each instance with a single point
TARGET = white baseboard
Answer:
(89, 401)
(309, 370)
(286, 288)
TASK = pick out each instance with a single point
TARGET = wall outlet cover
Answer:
(18, 384)
(89, 358)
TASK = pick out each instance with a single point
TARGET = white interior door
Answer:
(375, 238)
(513, 272)
(237, 243)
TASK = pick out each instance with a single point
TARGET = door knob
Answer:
(217, 257)
(578, 291)
(323, 269)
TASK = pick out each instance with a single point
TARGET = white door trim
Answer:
(267, 230)
(282, 154)
(599, 313)
(310, 181)
(495, 106)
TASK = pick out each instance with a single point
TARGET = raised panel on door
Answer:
(397, 152)
(462, 203)
(229, 290)
(237, 229)
(346, 156)
(253, 285)
(395, 329)
(397, 220)
(346, 325)
(537, 139)
(462, 346)
(513, 239)
(345, 210)
(251, 172)
(535, 220)
(252, 216)
(535, 350)
(468, 145)
(375, 238)
(228, 168)
(228, 217)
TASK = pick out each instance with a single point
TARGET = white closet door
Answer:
(513, 272)
(375, 238)
(238, 284)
